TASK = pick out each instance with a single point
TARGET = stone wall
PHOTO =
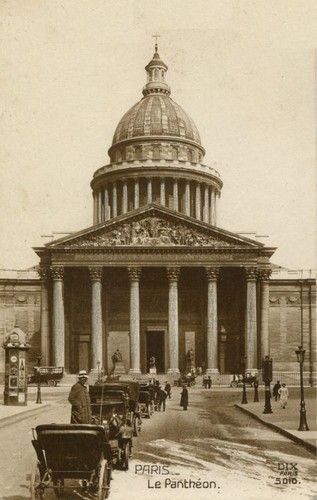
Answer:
(20, 306)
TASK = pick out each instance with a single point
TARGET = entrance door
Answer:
(83, 356)
(155, 347)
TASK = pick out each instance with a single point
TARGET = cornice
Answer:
(158, 138)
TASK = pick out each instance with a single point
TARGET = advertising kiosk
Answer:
(15, 385)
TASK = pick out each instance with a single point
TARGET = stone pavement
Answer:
(286, 421)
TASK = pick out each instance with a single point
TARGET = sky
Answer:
(243, 70)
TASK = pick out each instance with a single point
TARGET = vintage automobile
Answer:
(131, 389)
(187, 379)
(68, 453)
(49, 375)
(110, 408)
(237, 381)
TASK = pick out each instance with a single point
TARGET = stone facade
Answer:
(291, 311)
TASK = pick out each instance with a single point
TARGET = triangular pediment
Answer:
(154, 226)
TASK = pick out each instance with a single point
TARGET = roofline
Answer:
(161, 138)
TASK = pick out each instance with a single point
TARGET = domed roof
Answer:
(156, 115)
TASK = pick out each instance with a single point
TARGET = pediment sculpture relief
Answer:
(151, 231)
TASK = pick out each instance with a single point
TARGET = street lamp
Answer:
(300, 353)
(38, 395)
(267, 372)
(244, 392)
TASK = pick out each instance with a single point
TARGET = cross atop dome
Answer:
(156, 36)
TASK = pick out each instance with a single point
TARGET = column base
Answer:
(173, 371)
(212, 371)
(253, 371)
(134, 371)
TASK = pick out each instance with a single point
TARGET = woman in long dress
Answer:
(184, 397)
(283, 393)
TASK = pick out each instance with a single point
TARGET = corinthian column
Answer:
(149, 191)
(264, 278)
(136, 194)
(187, 198)
(124, 197)
(212, 321)
(198, 202)
(206, 205)
(162, 192)
(44, 273)
(175, 195)
(173, 275)
(250, 321)
(58, 333)
(95, 274)
(114, 200)
(134, 275)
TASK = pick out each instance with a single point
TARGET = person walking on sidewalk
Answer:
(80, 400)
(283, 393)
(184, 397)
(276, 388)
(167, 389)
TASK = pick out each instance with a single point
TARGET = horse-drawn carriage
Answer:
(68, 453)
(110, 408)
(131, 391)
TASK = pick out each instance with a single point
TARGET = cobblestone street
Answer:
(210, 443)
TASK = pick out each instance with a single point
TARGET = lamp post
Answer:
(99, 374)
(244, 392)
(267, 372)
(38, 394)
(300, 353)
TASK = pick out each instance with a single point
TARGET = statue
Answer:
(152, 364)
(118, 365)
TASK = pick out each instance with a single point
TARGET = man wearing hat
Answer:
(80, 400)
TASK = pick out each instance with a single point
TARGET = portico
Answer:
(106, 279)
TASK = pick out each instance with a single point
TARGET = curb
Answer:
(309, 446)
(17, 417)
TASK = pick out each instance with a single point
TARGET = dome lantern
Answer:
(156, 70)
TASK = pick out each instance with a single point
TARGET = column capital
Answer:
(212, 273)
(173, 273)
(44, 272)
(134, 273)
(251, 273)
(95, 273)
(264, 274)
(57, 272)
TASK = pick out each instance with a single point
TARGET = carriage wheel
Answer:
(104, 480)
(125, 453)
(51, 383)
(34, 481)
(58, 487)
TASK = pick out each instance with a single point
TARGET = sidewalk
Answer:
(286, 421)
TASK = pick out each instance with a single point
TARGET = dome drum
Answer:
(120, 194)
(156, 150)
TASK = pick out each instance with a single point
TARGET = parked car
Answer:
(49, 375)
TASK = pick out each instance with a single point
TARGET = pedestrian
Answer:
(184, 397)
(80, 400)
(209, 382)
(162, 395)
(276, 388)
(283, 393)
(167, 389)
